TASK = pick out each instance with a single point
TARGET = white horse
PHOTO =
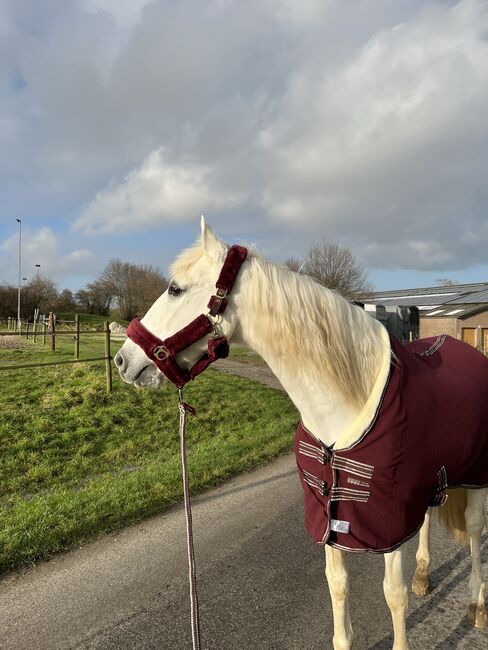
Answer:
(331, 357)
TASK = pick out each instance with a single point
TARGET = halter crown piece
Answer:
(163, 353)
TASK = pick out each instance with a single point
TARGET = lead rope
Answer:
(195, 616)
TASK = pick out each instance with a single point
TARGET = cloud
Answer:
(41, 247)
(125, 12)
(156, 192)
(362, 123)
(387, 143)
(391, 145)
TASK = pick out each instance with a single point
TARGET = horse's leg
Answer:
(396, 594)
(336, 572)
(421, 584)
(474, 525)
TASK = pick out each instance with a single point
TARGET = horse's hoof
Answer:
(477, 616)
(421, 584)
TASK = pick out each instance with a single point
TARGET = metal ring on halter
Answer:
(215, 322)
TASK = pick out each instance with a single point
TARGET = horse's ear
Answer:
(210, 242)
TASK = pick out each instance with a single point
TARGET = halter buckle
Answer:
(218, 302)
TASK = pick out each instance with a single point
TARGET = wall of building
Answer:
(480, 320)
(436, 326)
(476, 329)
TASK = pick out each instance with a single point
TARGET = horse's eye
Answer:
(173, 290)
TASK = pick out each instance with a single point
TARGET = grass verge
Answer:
(76, 463)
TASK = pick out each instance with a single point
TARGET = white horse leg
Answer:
(474, 525)
(421, 584)
(336, 572)
(396, 594)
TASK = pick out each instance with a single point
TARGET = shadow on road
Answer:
(438, 596)
(242, 488)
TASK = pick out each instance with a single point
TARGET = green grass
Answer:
(76, 463)
(91, 345)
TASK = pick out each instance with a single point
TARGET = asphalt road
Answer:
(261, 583)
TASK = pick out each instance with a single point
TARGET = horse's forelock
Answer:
(183, 264)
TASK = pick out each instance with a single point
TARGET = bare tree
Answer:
(294, 264)
(335, 267)
(96, 298)
(40, 293)
(8, 300)
(134, 287)
(446, 282)
(65, 301)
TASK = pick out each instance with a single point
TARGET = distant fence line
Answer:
(50, 330)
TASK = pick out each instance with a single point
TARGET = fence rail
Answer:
(19, 366)
(76, 336)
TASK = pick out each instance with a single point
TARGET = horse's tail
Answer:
(451, 514)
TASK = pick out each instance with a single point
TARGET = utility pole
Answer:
(20, 258)
(38, 277)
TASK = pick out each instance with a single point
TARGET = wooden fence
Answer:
(51, 332)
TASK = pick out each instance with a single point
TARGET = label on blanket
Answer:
(339, 526)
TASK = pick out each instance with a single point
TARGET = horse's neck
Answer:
(325, 411)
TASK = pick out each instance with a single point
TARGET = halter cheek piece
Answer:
(163, 353)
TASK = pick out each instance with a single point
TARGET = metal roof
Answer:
(449, 310)
(458, 294)
(408, 301)
(476, 297)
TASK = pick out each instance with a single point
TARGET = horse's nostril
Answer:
(119, 360)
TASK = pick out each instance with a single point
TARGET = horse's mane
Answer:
(310, 327)
(316, 329)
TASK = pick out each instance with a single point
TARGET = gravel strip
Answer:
(255, 372)
(13, 343)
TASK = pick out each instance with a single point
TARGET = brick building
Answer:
(460, 310)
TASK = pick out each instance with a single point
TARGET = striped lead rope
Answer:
(195, 615)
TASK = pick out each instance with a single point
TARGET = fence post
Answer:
(53, 331)
(36, 322)
(108, 358)
(77, 336)
(27, 329)
(44, 330)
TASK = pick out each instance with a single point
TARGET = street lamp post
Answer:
(36, 311)
(19, 221)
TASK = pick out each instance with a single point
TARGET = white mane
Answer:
(316, 328)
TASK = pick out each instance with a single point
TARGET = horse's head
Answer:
(193, 278)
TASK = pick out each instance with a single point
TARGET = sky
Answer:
(284, 122)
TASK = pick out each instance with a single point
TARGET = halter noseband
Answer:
(163, 353)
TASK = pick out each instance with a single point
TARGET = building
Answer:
(460, 310)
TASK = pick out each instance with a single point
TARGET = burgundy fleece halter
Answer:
(163, 353)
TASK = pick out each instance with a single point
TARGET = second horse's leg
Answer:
(421, 584)
(475, 522)
(336, 572)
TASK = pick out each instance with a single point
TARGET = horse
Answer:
(339, 367)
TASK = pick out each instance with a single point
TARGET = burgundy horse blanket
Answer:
(430, 432)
